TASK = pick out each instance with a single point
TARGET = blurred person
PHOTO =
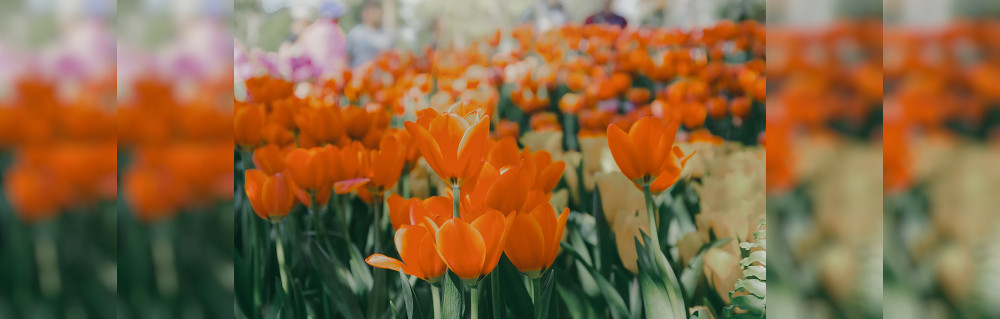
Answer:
(546, 14)
(323, 42)
(368, 39)
(607, 16)
(301, 15)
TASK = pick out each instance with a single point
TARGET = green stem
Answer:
(377, 226)
(279, 247)
(436, 296)
(474, 296)
(378, 295)
(536, 288)
(654, 236)
(455, 193)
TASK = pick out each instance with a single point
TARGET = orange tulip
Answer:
(657, 165)
(504, 190)
(410, 152)
(571, 103)
(453, 144)
(472, 250)
(379, 169)
(545, 121)
(535, 239)
(270, 158)
(321, 125)
(415, 245)
(271, 196)
(344, 161)
(248, 125)
(412, 211)
(308, 168)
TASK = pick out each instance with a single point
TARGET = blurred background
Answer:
(58, 225)
(116, 192)
(898, 97)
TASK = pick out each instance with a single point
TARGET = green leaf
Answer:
(615, 301)
(515, 295)
(453, 303)
(497, 302)
(320, 261)
(755, 257)
(548, 284)
(243, 287)
(409, 298)
(661, 299)
(754, 305)
(759, 272)
(755, 287)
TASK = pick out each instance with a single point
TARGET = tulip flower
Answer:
(472, 250)
(248, 125)
(452, 143)
(535, 239)
(657, 165)
(379, 169)
(308, 168)
(271, 196)
(504, 190)
(412, 211)
(415, 245)
(344, 161)
(319, 125)
(270, 158)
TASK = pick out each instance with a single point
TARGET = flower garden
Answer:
(588, 172)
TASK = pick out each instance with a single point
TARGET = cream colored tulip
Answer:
(626, 228)
(549, 141)
(596, 159)
(688, 246)
(618, 195)
(722, 269)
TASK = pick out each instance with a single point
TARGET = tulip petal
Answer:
(344, 187)
(408, 240)
(384, 262)
(254, 180)
(525, 247)
(492, 226)
(624, 152)
(428, 147)
(462, 248)
(553, 250)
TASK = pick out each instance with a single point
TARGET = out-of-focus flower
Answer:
(624, 209)
(379, 169)
(415, 245)
(248, 125)
(270, 158)
(571, 103)
(545, 121)
(535, 237)
(309, 168)
(319, 125)
(722, 269)
(271, 196)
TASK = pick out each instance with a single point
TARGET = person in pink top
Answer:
(324, 43)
